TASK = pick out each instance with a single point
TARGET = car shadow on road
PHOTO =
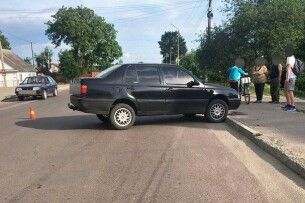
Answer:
(91, 122)
(64, 123)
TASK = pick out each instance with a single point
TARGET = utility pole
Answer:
(2, 65)
(210, 16)
(32, 55)
(178, 48)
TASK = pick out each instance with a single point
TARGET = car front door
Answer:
(48, 85)
(144, 84)
(180, 97)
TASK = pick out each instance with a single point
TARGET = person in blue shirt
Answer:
(235, 74)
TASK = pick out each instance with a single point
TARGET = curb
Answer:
(292, 161)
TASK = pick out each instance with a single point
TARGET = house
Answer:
(15, 69)
(54, 68)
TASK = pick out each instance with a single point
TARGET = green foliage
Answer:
(69, 67)
(169, 46)
(44, 60)
(92, 40)
(300, 83)
(4, 42)
(190, 62)
(254, 28)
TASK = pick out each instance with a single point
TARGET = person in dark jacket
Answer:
(275, 75)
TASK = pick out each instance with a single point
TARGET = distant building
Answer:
(15, 69)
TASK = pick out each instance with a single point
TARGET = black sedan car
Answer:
(41, 86)
(122, 92)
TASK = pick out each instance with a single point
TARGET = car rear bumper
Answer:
(90, 105)
(234, 103)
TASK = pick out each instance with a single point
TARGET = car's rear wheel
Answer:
(20, 98)
(55, 92)
(102, 118)
(217, 111)
(44, 94)
(122, 116)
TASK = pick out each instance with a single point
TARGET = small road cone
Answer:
(32, 114)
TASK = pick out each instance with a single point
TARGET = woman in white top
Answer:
(290, 80)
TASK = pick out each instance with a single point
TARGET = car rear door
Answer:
(144, 84)
(181, 99)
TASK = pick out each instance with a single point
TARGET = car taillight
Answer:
(83, 89)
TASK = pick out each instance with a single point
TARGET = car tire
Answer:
(122, 116)
(55, 92)
(20, 98)
(217, 111)
(44, 95)
(102, 118)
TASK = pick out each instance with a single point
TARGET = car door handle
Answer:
(170, 89)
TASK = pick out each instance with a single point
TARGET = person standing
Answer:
(260, 72)
(275, 75)
(290, 80)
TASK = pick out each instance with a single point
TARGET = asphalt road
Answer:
(67, 156)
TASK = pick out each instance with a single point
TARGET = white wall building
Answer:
(15, 69)
(54, 68)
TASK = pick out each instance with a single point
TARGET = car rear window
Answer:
(107, 71)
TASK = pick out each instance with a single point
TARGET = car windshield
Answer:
(107, 71)
(34, 80)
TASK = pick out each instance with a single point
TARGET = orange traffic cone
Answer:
(32, 114)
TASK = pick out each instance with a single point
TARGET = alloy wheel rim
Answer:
(122, 117)
(217, 111)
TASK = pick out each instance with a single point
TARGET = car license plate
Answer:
(27, 92)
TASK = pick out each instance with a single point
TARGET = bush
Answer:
(300, 83)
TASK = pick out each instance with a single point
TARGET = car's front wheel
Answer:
(217, 111)
(122, 116)
(55, 92)
(102, 117)
(44, 94)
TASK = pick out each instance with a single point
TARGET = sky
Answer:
(139, 24)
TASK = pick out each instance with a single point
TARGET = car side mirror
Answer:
(192, 83)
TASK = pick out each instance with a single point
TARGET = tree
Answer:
(169, 46)
(4, 42)
(44, 60)
(254, 28)
(69, 67)
(92, 40)
(190, 62)
(28, 60)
